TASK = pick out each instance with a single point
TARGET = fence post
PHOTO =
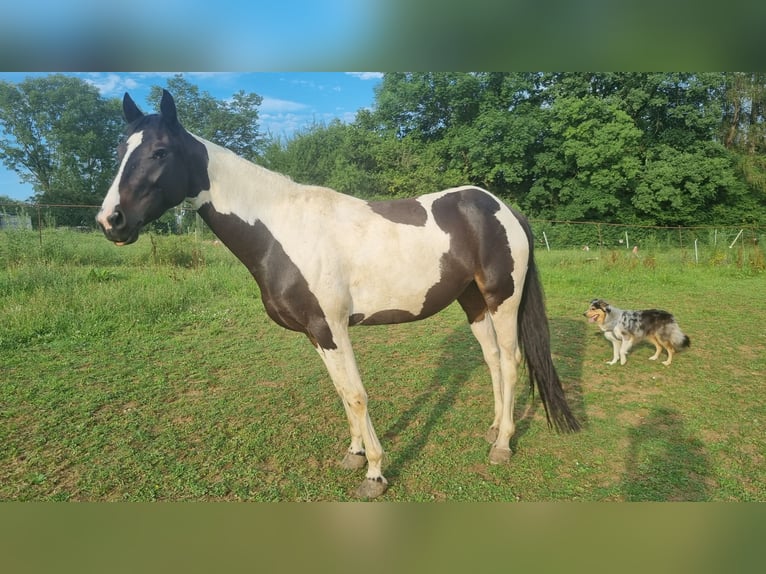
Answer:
(39, 225)
(735, 239)
(696, 254)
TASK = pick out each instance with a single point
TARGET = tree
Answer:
(743, 130)
(688, 187)
(232, 124)
(589, 161)
(59, 134)
(425, 105)
(744, 119)
(649, 148)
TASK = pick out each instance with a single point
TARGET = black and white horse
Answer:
(325, 261)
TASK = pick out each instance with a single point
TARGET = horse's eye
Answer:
(160, 153)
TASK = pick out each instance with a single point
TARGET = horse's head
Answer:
(161, 164)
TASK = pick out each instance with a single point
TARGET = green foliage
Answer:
(641, 148)
(624, 147)
(684, 187)
(593, 147)
(59, 135)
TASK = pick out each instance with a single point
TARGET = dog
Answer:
(625, 328)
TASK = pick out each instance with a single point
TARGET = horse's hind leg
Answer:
(484, 332)
(497, 334)
(482, 328)
(505, 324)
(341, 365)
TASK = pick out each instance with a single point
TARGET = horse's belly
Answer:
(407, 294)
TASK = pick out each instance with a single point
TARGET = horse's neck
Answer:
(240, 187)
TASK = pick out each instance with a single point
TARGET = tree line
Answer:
(633, 148)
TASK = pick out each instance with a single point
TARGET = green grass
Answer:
(152, 373)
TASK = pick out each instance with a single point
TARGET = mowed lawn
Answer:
(152, 372)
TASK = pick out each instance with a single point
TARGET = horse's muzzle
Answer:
(116, 228)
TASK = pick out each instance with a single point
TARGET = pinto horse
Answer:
(325, 261)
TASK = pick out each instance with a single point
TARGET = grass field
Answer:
(152, 373)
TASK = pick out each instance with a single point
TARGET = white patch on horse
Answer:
(392, 265)
(517, 238)
(112, 198)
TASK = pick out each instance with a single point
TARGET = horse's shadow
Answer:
(460, 356)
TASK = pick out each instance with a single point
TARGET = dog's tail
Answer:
(534, 338)
(679, 340)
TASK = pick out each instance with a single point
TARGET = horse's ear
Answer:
(130, 109)
(168, 109)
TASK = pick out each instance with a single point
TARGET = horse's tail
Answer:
(534, 337)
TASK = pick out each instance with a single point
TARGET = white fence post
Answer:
(696, 254)
(735, 239)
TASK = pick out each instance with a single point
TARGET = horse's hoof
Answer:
(491, 435)
(353, 461)
(499, 455)
(371, 488)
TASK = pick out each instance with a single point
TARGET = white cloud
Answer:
(277, 106)
(283, 124)
(367, 75)
(112, 84)
(287, 124)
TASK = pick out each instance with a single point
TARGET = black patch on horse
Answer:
(385, 317)
(285, 292)
(479, 248)
(404, 211)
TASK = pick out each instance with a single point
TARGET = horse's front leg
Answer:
(341, 365)
(355, 457)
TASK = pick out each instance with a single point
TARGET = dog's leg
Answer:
(670, 351)
(615, 347)
(627, 343)
(657, 347)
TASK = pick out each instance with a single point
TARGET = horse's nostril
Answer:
(116, 219)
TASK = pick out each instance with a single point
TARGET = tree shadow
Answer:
(460, 356)
(664, 462)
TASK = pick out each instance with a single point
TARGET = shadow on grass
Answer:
(567, 347)
(460, 356)
(664, 463)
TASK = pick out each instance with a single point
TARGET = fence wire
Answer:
(549, 235)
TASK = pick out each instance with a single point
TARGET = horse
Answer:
(325, 261)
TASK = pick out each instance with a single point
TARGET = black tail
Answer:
(534, 337)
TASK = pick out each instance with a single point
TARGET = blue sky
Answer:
(291, 100)
(245, 35)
